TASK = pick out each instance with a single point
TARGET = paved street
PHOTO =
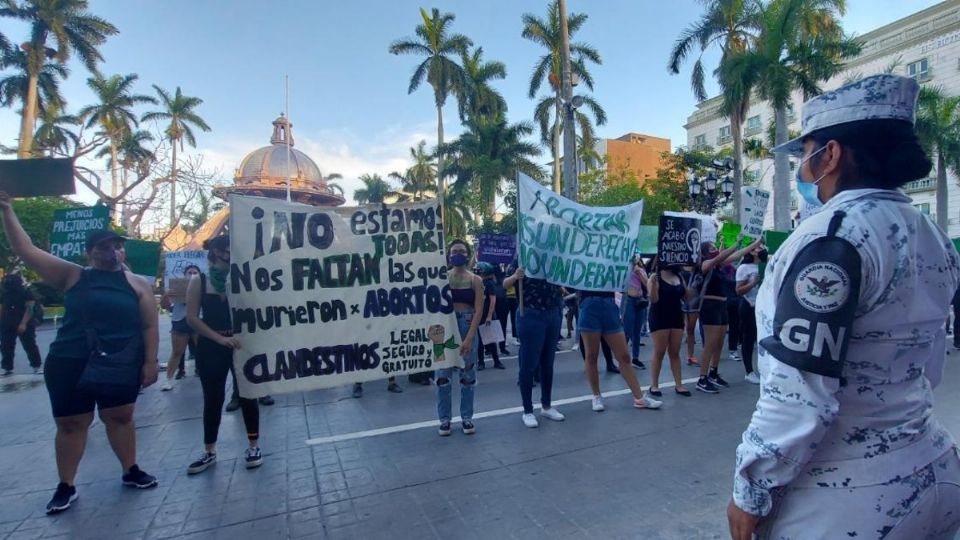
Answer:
(624, 473)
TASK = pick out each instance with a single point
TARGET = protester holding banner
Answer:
(634, 307)
(180, 332)
(466, 289)
(17, 322)
(539, 323)
(208, 312)
(713, 310)
(666, 324)
(104, 353)
(844, 441)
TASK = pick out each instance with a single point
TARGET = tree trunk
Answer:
(441, 192)
(943, 213)
(27, 119)
(113, 183)
(556, 146)
(736, 131)
(781, 175)
(124, 207)
(173, 187)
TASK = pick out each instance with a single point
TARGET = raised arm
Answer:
(54, 270)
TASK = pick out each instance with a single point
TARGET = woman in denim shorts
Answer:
(600, 316)
(180, 331)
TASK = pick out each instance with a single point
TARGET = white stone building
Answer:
(925, 45)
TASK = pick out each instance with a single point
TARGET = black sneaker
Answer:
(444, 429)
(253, 458)
(717, 380)
(481, 366)
(394, 388)
(234, 404)
(613, 369)
(206, 461)
(704, 385)
(468, 427)
(266, 401)
(636, 362)
(62, 498)
(499, 365)
(357, 390)
(139, 479)
(179, 375)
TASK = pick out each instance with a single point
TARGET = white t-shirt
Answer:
(744, 273)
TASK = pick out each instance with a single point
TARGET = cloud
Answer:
(334, 150)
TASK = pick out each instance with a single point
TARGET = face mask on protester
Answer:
(458, 259)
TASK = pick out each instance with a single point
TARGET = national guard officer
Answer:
(844, 442)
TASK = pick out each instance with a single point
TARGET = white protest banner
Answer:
(323, 297)
(708, 225)
(581, 247)
(753, 210)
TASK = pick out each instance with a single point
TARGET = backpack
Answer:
(37, 313)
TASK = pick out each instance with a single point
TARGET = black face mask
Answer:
(762, 256)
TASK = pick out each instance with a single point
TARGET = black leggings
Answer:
(213, 364)
(8, 344)
(733, 328)
(748, 334)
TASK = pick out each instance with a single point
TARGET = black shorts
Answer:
(62, 375)
(181, 327)
(714, 312)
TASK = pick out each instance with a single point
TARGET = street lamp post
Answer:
(703, 190)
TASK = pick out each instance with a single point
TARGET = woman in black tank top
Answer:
(208, 313)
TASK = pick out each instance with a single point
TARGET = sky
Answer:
(349, 104)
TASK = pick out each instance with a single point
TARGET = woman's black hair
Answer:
(221, 243)
(462, 242)
(749, 259)
(195, 267)
(883, 154)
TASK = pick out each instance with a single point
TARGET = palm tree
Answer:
(476, 97)
(549, 67)
(113, 113)
(15, 87)
(731, 25)
(541, 114)
(375, 190)
(457, 213)
(436, 42)
(331, 185)
(73, 30)
(179, 110)
(938, 127)
(54, 136)
(785, 57)
(489, 152)
(418, 182)
(131, 155)
(587, 154)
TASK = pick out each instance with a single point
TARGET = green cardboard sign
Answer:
(774, 239)
(647, 240)
(68, 235)
(729, 233)
(143, 257)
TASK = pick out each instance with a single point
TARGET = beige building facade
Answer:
(925, 46)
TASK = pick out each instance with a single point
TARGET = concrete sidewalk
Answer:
(623, 473)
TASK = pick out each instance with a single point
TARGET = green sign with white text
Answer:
(71, 226)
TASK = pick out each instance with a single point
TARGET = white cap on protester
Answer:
(880, 97)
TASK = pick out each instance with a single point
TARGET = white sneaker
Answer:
(167, 385)
(516, 342)
(597, 403)
(647, 402)
(530, 420)
(552, 414)
(575, 347)
(734, 355)
(752, 378)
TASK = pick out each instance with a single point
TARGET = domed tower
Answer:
(265, 172)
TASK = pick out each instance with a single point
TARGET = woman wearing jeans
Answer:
(539, 324)
(466, 288)
(634, 309)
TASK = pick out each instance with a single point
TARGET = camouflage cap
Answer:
(880, 97)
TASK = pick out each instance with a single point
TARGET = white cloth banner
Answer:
(753, 210)
(708, 225)
(569, 244)
(323, 297)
